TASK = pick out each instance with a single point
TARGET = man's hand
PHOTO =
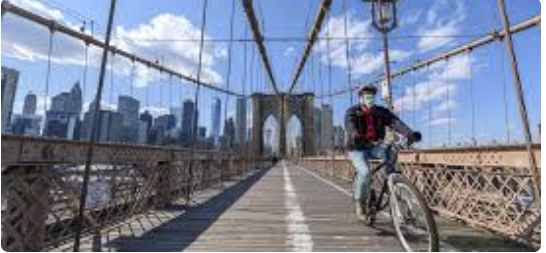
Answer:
(415, 137)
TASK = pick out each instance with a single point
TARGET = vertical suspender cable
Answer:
(48, 70)
(505, 97)
(170, 92)
(148, 91)
(85, 69)
(429, 115)
(448, 94)
(230, 61)
(161, 105)
(347, 51)
(112, 77)
(472, 97)
(133, 72)
(331, 98)
(414, 95)
(94, 128)
(194, 118)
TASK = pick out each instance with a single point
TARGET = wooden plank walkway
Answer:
(285, 208)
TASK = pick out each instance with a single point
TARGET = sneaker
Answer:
(360, 211)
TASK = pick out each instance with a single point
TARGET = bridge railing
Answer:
(42, 181)
(485, 187)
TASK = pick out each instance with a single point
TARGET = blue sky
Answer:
(154, 29)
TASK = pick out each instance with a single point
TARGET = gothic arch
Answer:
(283, 107)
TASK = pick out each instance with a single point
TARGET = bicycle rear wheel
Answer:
(412, 219)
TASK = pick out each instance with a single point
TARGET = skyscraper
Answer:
(110, 128)
(76, 100)
(339, 138)
(31, 101)
(327, 127)
(216, 118)
(241, 121)
(10, 78)
(317, 116)
(63, 118)
(229, 134)
(128, 108)
(166, 122)
(28, 123)
(187, 118)
(145, 126)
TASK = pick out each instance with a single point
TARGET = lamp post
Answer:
(384, 20)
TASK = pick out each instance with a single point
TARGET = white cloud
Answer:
(290, 52)
(443, 122)
(363, 61)
(411, 17)
(438, 93)
(40, 8)
(24, 40)
(440, 28)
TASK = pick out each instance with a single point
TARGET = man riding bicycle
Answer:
(366, 125)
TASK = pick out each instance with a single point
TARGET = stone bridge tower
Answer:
(282, 107)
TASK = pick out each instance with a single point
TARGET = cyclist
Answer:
(366, 125)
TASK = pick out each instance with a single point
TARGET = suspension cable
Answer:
(170, 93)
(85, 69)
(414, 95)
(133, 73)
(330, 87)
(347, 51)
(505, 96)
(195, 113)
(48, 69)
(472, 97)
(112, 62)
(448, 94)
(148, 91)
(429, 114)
(230, 62)
(160, 72)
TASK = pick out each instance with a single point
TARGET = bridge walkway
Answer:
(284, 208)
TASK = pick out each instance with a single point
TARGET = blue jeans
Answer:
(359, 159)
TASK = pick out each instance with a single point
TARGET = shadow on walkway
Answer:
(180, 232)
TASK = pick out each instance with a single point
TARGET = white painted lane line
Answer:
(298, 236)
(443, 245)
(339, 188)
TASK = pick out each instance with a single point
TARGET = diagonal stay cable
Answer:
(324, 9)
(259, 39)
(23, 13)
(495, 35)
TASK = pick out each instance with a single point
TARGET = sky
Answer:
(450, 98)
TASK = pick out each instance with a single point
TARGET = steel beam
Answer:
(315, 31)
(259, 39)
(494, 36)
(8, 7)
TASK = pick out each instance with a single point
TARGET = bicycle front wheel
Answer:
(412, 219)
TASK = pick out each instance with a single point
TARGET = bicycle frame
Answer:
(391, 168)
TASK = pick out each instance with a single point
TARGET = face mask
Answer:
(368, 100)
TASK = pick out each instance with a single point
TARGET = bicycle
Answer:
(404, 199)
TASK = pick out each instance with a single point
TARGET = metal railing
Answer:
(485, 187)
(42, 180)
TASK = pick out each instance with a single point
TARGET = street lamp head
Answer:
(384, 14)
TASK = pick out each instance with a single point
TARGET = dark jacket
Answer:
(356, 126)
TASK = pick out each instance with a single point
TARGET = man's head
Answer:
(367, 95)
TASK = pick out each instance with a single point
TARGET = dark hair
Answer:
(367, 89)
